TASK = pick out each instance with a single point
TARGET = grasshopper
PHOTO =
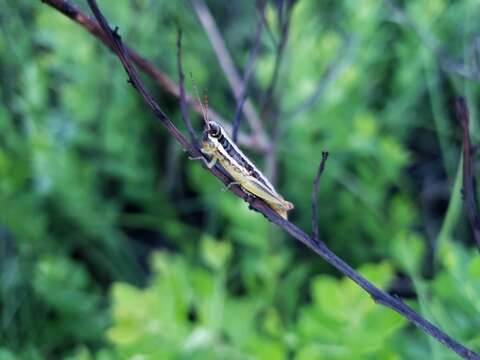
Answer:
(219, 146)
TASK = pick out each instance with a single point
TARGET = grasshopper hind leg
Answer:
(280, 211)
(229, 185)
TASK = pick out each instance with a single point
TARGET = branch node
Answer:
(115, 33)
(131, 82)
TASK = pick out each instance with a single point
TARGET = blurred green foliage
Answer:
(188, 312)
(114, 245)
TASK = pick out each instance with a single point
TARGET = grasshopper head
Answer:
(211, 133)
(214, 129)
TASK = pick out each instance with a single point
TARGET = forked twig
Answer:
(228, 67)
(284, 20)
(316, 182)
(259, 205)
(285, 8)
(261, 16)
(468, 191)
(246, 77)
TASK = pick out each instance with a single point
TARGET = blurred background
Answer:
(114, 245)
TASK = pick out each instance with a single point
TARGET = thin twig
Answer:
(181, 80)
(261, 4)
(134, 78)
(281, 44)
(468, 191)
(284, 23)
(315, 196)
(246, 77)
(228, 67)
(271, 157)
(172, 162)
(259, 205)
(160, 78)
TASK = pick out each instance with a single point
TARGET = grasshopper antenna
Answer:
(203, 108)
(205, 95)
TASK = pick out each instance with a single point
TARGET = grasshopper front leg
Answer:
(210, 164)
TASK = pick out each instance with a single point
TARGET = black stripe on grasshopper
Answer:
(218, 132)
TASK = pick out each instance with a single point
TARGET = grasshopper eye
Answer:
(215, 130)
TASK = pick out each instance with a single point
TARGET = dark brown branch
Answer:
(160, 78)
(181, 80)
(246, 77)
(134, 78)
(316, 182)
(318, 247)
(468, 191)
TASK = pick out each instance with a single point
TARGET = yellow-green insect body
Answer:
(217, 144)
